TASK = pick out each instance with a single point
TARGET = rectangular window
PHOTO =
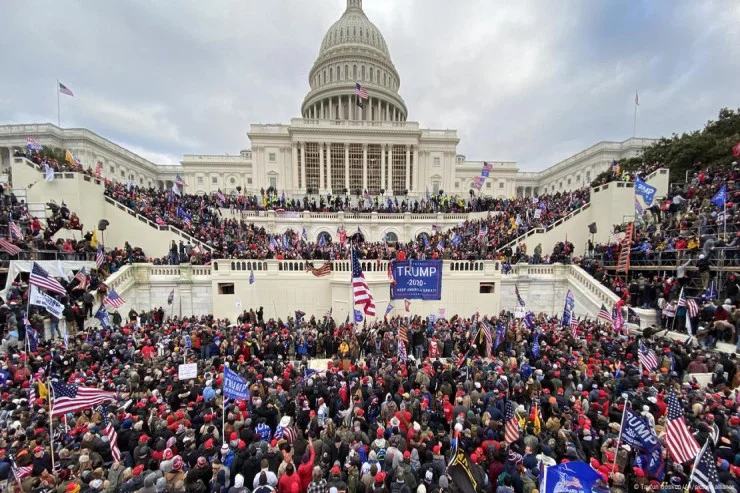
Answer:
(112, 169)
(488, 185)
(226, 288)
(273, 182)
(272, 157)
(399, 169)
(214, 179)
(200, 180)
(373, 168)
(337, 167)
(355, 168)
(568, 181)
(312, 165)
(435, 187)
(487, 288)
(457, 185)
(436, 161)
(123, 174)
(501, 185)
(249, 181)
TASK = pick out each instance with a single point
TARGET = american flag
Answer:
(99, 257)
(160, 221)
(98, 169)
(360, 289)
(114, 300)
(402, 356)
(518, 296)
(41, 279)
(488, 336)
(360, 91)
(220, 196)
(82, 280)
(647, 358)
(511, 430)
(605, 315)
(9, 247)
(32, 391)
(33, 145)
(20, 473)
(15, 231)
(691, 307)
(73, 398)
(324, 270)
(110, 432)
(574, 323)
(403, 334)
(483, 232)
(179, 181)
(705, 471)
(681, 443)
(64, 89)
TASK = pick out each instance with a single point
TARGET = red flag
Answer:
(736, 150)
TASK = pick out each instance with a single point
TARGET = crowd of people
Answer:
(374, 418)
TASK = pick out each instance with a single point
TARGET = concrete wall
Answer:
(282, 287)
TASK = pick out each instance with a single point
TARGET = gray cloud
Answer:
(528, 81)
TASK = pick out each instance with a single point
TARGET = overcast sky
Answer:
(533, 82)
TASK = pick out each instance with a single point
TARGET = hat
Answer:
(285, 421)
(72, 488)
(379, 433)
(177, 463)
(202, 461)
(224, 449)
(380, 477)
(138, 470)
(406, 455)
(335, 471)
(429, 476)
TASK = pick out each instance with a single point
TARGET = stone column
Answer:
(382, 167)
(328, 167)
(303, 166)
(321, 166)
(364, 167)
(390, 168)
(294, 147)
(346, 166)
(321, 113)
(415, 184)
(341, 109)
(378, 114)
(408, 166)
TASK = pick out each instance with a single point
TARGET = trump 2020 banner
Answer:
(417, 279)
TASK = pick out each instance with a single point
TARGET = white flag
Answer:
(49, 175)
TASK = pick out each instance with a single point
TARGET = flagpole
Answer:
(59, 117)
(50, 396)
(634, 121)
(619, 438)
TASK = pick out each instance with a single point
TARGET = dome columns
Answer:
(345, 107)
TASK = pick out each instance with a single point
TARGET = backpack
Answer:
(380, 455)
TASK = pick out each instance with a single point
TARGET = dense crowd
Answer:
(232, 238)
(371, 420)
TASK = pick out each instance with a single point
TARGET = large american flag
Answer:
(360, 91)
(511, 430)
(647, 358)
(402, 356)
(179, 181)
(691, 307)
(605, 315)
(9, 247)
(40, 278)
(682, 445)
(488, 336)
(403, 334)
(64, 89)
(574, 323)
(110, 432)
(360, 289)
(114, 300)
(99, 257)
(20, 473)
(73, 398)
(705, 471)
(15, 231)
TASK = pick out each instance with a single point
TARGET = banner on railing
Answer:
(417, 279)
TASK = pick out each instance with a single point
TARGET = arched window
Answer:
(346, 72)
(339, 73)
(384, 82)
(331, 75)
(371, 74)
(326, 236)
(391, 237)
(324, 77)
(354, 72)
(363, 72)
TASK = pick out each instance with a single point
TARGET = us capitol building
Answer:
(336, 146)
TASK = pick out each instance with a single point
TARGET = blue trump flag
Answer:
(638, 434)
(720, 198)
(571, 477)
(358, 316)
(102, 315)
(646, 191)
(235, 387)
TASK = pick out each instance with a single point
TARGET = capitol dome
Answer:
(352, 52)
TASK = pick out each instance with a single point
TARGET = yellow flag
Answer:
(94, 239)
(70, 158)
(536, 424)
(43, 392)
